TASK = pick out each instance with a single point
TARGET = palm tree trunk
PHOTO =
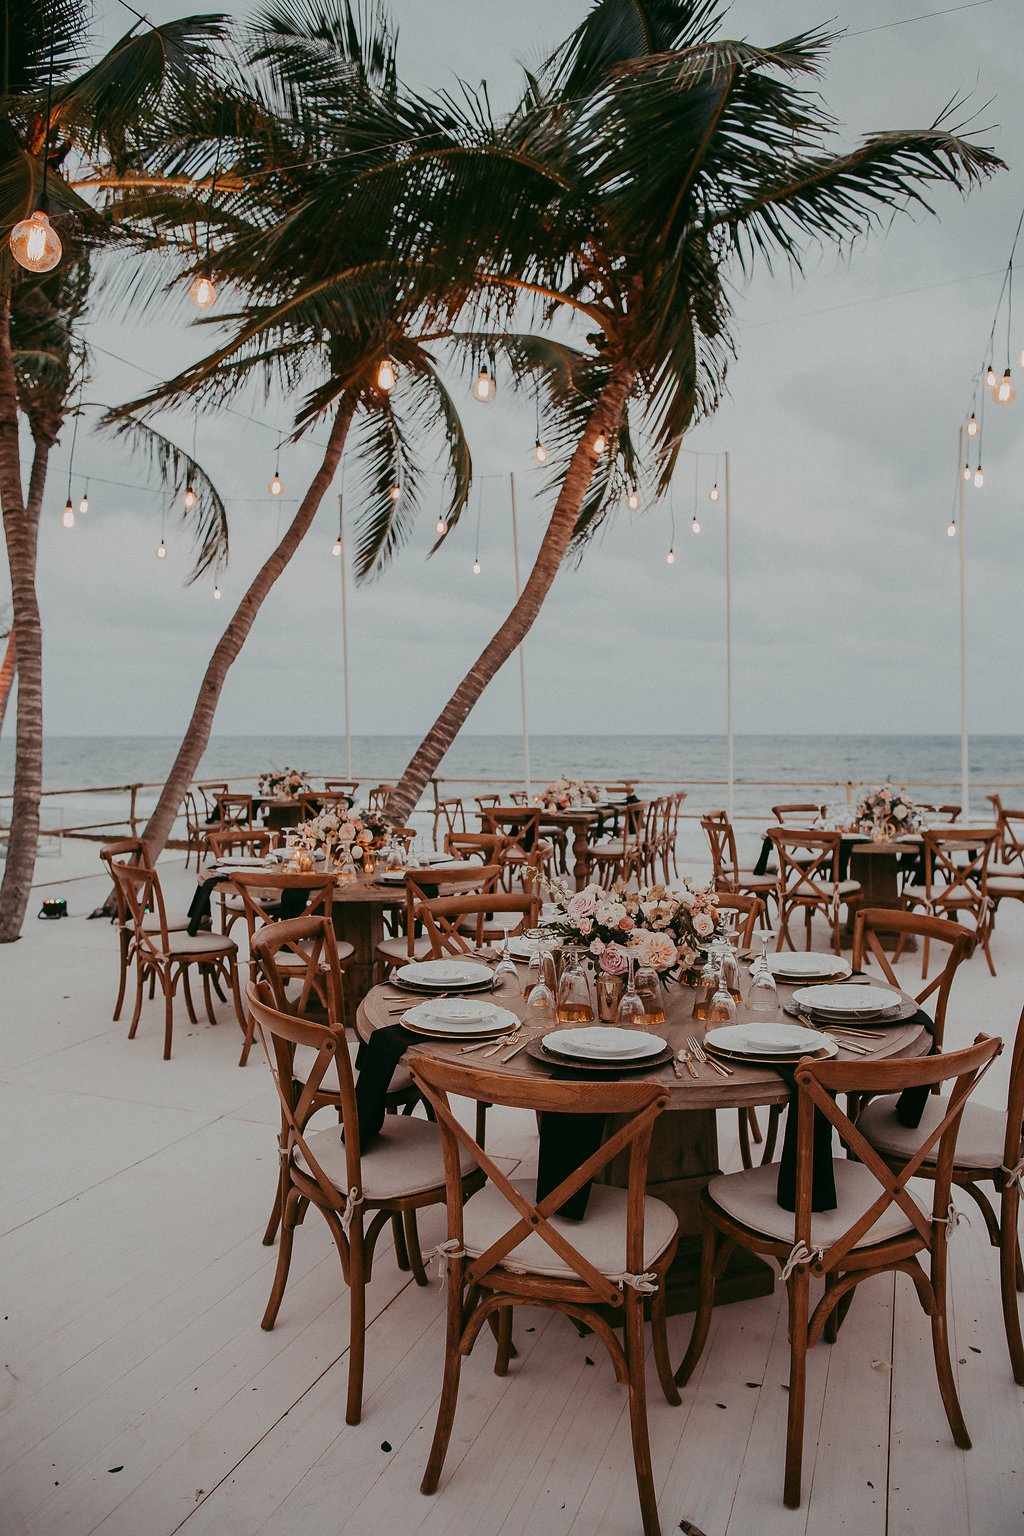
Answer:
(554, 546)
(21, 528)
(8, 669)
(158, 828)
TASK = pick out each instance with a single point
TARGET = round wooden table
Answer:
(684, 1148)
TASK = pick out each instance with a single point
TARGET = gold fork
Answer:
(709, 1061)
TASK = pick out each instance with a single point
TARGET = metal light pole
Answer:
(344, 633)
(522, 665)
(730, 767)
(965, 772)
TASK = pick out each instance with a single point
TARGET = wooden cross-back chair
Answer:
(526, 854)
(313, 801)
(210, 789)
(377, 798)
(163, 956)
(235, 810)
(449, 818)
(808, 881)
(947, 812)
(342, 786)
(749, 910)
(421, 885)
(630, 855)
(989, 1150)
(249, 842)
(1006, 879)
(876, 1226)
(955, 881)
(800, 813)
(195, 829)
(488, 847)
(506, 1248)
(457, 925)
(872, 921)
(725, 865)
(132, 850)
(357, 1193)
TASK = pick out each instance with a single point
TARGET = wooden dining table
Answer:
(579, 821)
(684, 1149)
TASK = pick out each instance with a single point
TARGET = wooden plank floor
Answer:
(141, 1398)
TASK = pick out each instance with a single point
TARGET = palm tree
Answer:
(89, 116)
(647, 165)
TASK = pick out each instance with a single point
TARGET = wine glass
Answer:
(632, 1014)
(648, 986)
(721, 1008)
(707, 986)
(506, 968)
(763, 996)
(574, 1003)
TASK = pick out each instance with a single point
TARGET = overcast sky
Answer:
(840, 422)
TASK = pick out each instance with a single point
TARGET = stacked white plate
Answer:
(453, 1018)
(770, 1041)
(443, 975)
(805, 965)
(854, 1000)
(597, 1042)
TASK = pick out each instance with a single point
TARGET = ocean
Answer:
(789, 767)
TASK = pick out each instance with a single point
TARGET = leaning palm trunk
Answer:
(8, 668)
(158, 828)
(552, 552)
(21, 528)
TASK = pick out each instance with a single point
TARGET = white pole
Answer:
(730, 767)
(522, 665)
(965, 772)
(344, 633)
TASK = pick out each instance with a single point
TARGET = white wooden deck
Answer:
(140, 1396)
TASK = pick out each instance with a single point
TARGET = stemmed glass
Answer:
(763, 996)
(721, 1008)
(539, 989)
(632, 1014)
(648, 985)
(506, 968)
(574, 1002)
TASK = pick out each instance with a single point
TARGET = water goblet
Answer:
(721, 1008)
(707, 986)
(573, 1001)
(648, 985)
(506, 968)
(632, 1014)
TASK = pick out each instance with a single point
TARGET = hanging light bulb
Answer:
(483, 386)
(972, 426)
(1022, 357)
(201, 290)
(632, 501)
(83, 505)
(1004, 392)
(967, 471)
(951, 530)
(35, 244)
(714, 493)
(979, 478)
(396, 493)
(161, 550)
(696, 526)
(670, 558)
(386, 377)
(540, 453)
(188, 501)
(337, 548)
(275, 487)
(69, 515)
(990, 377)
(440, 526)
(476, 566)
(216, 592)
(600, 443)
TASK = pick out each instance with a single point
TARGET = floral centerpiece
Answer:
(570, 794)
(334, 831)
(888, 809)
(283, 784)
(656, 926)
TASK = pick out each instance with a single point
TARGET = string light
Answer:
(35, 244)
(696, 526)
(396, 493)
(632, 501)
(483, 387)
(714, 493)
(201, 290)
(972, 426)
(990, 377)
(1004, 393)
(83, 505)
(540, 453)
(69, 515)
(161, 550)
(217, 592)
(337, 548)
(979, 478)
(476, 566)
(441, 527)
(386, 377)
(600, 443)
(951, 530)
(188, 501)
(967, 471)
(275, 487)
(670, 558)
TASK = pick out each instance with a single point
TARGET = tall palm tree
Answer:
(650, 163)
(87, 117)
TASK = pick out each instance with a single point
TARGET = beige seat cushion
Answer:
(749, 880)
(1014, 871)
(288, 962)
(202, 946)
(176, 922)
(397, 949)
(979, 1143)
(826, 888)
(944, 896)
(305, 1056)
(600, 1237)
(405, 1159)
(750, 1197)
(1006, 885)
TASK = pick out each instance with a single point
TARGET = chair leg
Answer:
(275, 1215)
(799, 1287)
(397, 1232)
(140, 988)
(743, 1126)
(207, 999)
(705, 1307)
(290, 1220)
(1008, 1277)
(940, 1351)
(125, 941)
(504, 1337)
(168, 1013)
(357, 1325)
(449, 1387)
(774, 1117)
(634, 1336)
(659, 1346)
(412, 1244)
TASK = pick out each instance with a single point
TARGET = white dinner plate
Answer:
(772, 1038)
(443, 973)
(851, 999)
(482, 1019)
(242, 861)
(806, 963)
(600, 1043)
(522, 949)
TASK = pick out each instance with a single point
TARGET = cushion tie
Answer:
(646, 1284)
(800, 1254)
(1014, 1175)
(951, 1220)
(450, 1249)
(353, 1199)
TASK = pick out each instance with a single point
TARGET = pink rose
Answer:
(584, 924)
(703, 925)
(614, 960)
(626, 924)
(582, 904)
(346, 832)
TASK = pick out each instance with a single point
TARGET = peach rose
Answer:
(661, 951)
(703, 925)
(582, 905)
(614, 960)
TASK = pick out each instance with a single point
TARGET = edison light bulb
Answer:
(600, 443)
(440, 526)
(483, 388)
(83, 505)
(386, 375)
(476, 567)
(979, 478)
(396, 493)
(69, 515)
(972, 426)
(337, 548)
(1004, 391)
(714, 493)
(161, 550)
(188, 501)
(951, 530)
(990, 377)
(202, 292)
(275, 487)
(632, 501)
(696, 526)
(967, 471)
(670, 558)
(540, 453)
(35, 244)
(216, 591)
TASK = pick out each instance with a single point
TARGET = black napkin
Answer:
(911, 1102)
(376, 1060)
(566, 1141)
(199, 906)
(761, 867)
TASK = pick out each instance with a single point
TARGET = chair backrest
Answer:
(488, 847)
(947, 812)
(235, 810)
(441, 918)
(519, 823)
(342, 786)
(956, 865)
(802, 813)
(871, 921)
(313, 801)
(722, 842)
(318, 891)
(428, 884)
(127, 850)
(138, 887)
(280, 1032)
(210, 789)
(485, 802)
(819, 1083)
(377, 798)
(253, 841)
(308, 946)
(452, 813)
(806, 861)
(622, 788)
(748, 911)
(1012, 834)
(635, 1106)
